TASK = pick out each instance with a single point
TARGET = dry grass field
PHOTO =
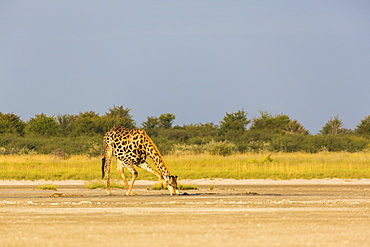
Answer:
(240, 166)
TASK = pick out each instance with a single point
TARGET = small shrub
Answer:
(100, 185)
(224, 148)
(94, 150)
(187, 187)
(180, 149)
(3, 151)
(267, 159)
(158, 186)
(93, 185)
(60, 154)
(47, 187)
(163, 186)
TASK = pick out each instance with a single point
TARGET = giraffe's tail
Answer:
(102, 167)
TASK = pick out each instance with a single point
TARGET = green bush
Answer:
(224, 148)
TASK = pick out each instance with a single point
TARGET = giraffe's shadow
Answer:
(187, 194)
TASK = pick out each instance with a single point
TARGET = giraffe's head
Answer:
(172, 184)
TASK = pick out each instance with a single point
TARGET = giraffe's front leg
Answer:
(148, 168)
(134, 176)
(120, 170)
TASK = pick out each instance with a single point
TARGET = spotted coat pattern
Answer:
(131, 147)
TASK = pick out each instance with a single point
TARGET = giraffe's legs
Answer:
(134, 176)
(148, 168)
(120, 170)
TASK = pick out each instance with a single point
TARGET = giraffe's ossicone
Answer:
(131, 147)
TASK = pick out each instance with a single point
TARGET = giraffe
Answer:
(131, 147)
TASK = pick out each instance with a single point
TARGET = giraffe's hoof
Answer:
(131, 194)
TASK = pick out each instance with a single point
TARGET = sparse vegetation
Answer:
(102, 185)
(163, 186)
(47, 187)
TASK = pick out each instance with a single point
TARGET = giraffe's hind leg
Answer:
(106, 166)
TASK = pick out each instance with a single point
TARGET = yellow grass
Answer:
(240, 166)
(273, 165)
(48, 167)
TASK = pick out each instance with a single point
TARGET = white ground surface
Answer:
(221, 212)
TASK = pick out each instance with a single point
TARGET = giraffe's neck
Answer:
(159, 162)
(155, 155)
(165, 173)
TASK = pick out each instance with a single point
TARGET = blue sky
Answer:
(195, 59)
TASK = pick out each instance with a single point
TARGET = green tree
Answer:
(65, 123)
(363, 128)
(86, 123)
(165, 121)
(261, 122)
(278, 123)
(234, 122)
(333, 127)
(42, 125)
(150, 123)
(11, 123)
(117, 115)
(293, 127)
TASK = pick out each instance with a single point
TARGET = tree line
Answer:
(82, 134)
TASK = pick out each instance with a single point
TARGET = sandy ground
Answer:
(220, 213)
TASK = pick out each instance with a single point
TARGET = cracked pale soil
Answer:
(219, 213)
